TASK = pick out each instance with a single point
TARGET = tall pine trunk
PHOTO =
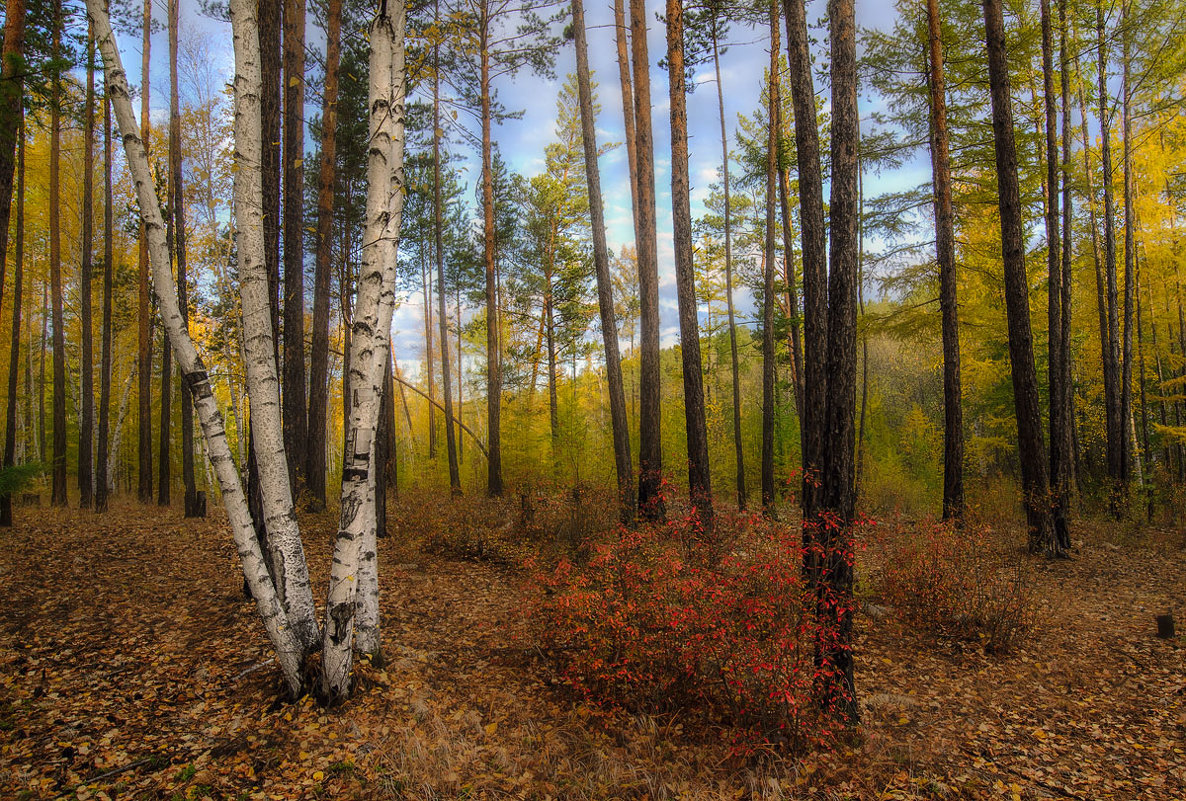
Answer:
(315, 467)
(177, 202)
(620, 39)
(1067, 432)
(144, 306)
(102, 466)
(296, 431)
(650, 450)
(738, 449)
(12, 69)
(494, 486)
(1031, 449)
(815, 257)
(58, 497)
(14, 359)
(699, 473)
(768, 300)
(605, 290)
(86, 428)
(953, 422)
(1130, 266)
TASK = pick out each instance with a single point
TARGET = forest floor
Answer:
(132, 667)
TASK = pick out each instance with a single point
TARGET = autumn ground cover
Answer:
(132, 667)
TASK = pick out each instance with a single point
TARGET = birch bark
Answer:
(369, 345)
(284, 638)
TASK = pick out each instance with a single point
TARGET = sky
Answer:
(522, 141)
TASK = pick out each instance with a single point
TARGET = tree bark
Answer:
(627, 106)
(429, 358)
(738, 449)
(494, 486)
(1031, 449)
(768, 300)
(1130, 266)
(369, 344)
(177, 192)
(699, 474)
(144, 306)
(102, 479)
(296, 430)
(1064, 479)
(315, 467)
(58, 497)
(815, 260)
(12, 71)
(289, 652)
(86, 428)
(605, 291)
(14, 358)
(650, 451)
(953, 424)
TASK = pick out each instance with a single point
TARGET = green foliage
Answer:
(17, 477)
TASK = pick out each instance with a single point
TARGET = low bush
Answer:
(657, 620)
(954, 583)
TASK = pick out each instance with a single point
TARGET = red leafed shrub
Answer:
(953, 583)
(658, 619)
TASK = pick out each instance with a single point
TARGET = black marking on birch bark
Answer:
(341, 618)
(351, 504)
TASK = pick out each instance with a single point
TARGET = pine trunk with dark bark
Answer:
(315, 466)
(102, 465)
(14, 359)
(296, 433)
(12, 70)
(605, 291)
(86, 427)
(58, 497)
(439, 252)
(768, 299)
(144, 306)
(1031, 449)
(651, 504)
(699, 473)
(494, 486)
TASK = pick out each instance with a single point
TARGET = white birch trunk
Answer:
(369, 343)
(263, 385)
(289, 651)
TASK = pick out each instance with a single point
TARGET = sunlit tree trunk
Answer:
(439, 253)
(289, 651)
(1031, 449)
(494, 485)
(369, 344)
(621, 40)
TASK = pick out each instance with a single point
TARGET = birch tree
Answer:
(355, 544)
(284, 636)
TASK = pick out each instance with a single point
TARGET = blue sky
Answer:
(522, 141)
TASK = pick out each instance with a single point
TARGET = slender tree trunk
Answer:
(288, 650)
(627, 106)
(837, 490)
(42, 454)
(768, 300)
(1064, 479)
(290, 571)
(369, 344)
(430, 388)
(1060, 440)
(650, 452)
(494, 486)
(439, 252)
(296, 430)
(177, 192)
(699, 474)
(815, 258)
(55, 268)
(794, 339)
(1130, 267)
(605, 290)
(953, 423)
(144, 306)
(14, 359)
(165, 455)
(12, 71)
(738, 449)
(550, 340)
(315, 467)
(1021, 350)
(1117, 441)
(86, 428)
(102, 467)
(1140, 345)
